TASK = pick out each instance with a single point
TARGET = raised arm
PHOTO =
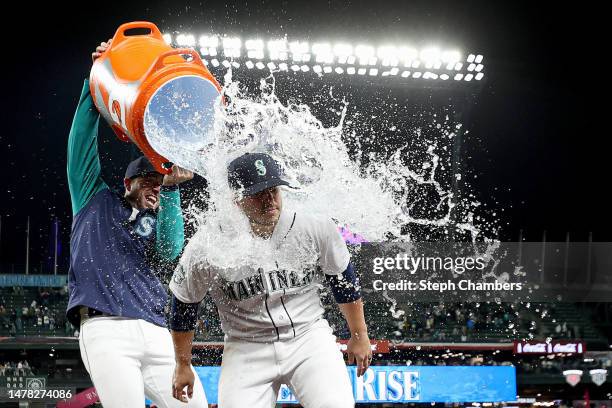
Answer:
(84, 171)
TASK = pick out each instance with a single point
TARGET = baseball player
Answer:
(271, 313)
(117, 242)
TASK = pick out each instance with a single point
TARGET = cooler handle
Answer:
(160, 62)
(120, 33)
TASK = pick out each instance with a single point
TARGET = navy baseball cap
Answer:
(139, 167)
(254, 172)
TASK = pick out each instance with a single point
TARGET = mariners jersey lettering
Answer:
(277, 300)
(267, 282)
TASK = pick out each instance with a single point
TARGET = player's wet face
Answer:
(143, 191)
(263, 207)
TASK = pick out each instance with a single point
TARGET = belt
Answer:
(89, 312)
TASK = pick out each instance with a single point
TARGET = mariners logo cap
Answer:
(139, 167)
(254, 172)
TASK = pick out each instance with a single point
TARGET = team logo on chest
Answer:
(144, 226)
(267, 282)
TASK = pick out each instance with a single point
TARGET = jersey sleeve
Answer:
(334, 257)
(192, 277)
(83, 167)
(170, 225)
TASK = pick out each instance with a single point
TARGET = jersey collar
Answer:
(283, 226)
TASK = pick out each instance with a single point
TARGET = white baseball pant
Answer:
(128, 359)
(311, 365)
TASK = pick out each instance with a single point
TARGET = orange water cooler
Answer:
(152, 95)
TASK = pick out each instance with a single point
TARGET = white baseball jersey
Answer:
(277, 299)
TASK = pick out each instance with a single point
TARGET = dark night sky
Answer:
(537, 147)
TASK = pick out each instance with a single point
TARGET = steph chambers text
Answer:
(462, 285)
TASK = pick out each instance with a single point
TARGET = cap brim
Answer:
(257, 188)
(144, 173)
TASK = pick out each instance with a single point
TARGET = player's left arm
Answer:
(344, 284)
(170, 225)
(345, 288)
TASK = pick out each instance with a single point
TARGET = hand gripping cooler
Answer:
(151, 95)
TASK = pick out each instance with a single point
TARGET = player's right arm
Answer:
(182, 327)
(189, 284)
(84, 170)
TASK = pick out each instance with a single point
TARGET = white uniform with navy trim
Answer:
(273, 317)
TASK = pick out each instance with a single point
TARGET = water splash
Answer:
(377, 194)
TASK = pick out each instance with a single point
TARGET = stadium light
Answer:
(209, 41)
(208, 45)
(365, 54)
(389, 55)
(388, 60)
(430, 57)
(451, 57)
(323, 53)
(407, 55)
(300, 51)
(185, 40)
(231, 47)
(278, 50)
(255, 49)
(343, 52)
